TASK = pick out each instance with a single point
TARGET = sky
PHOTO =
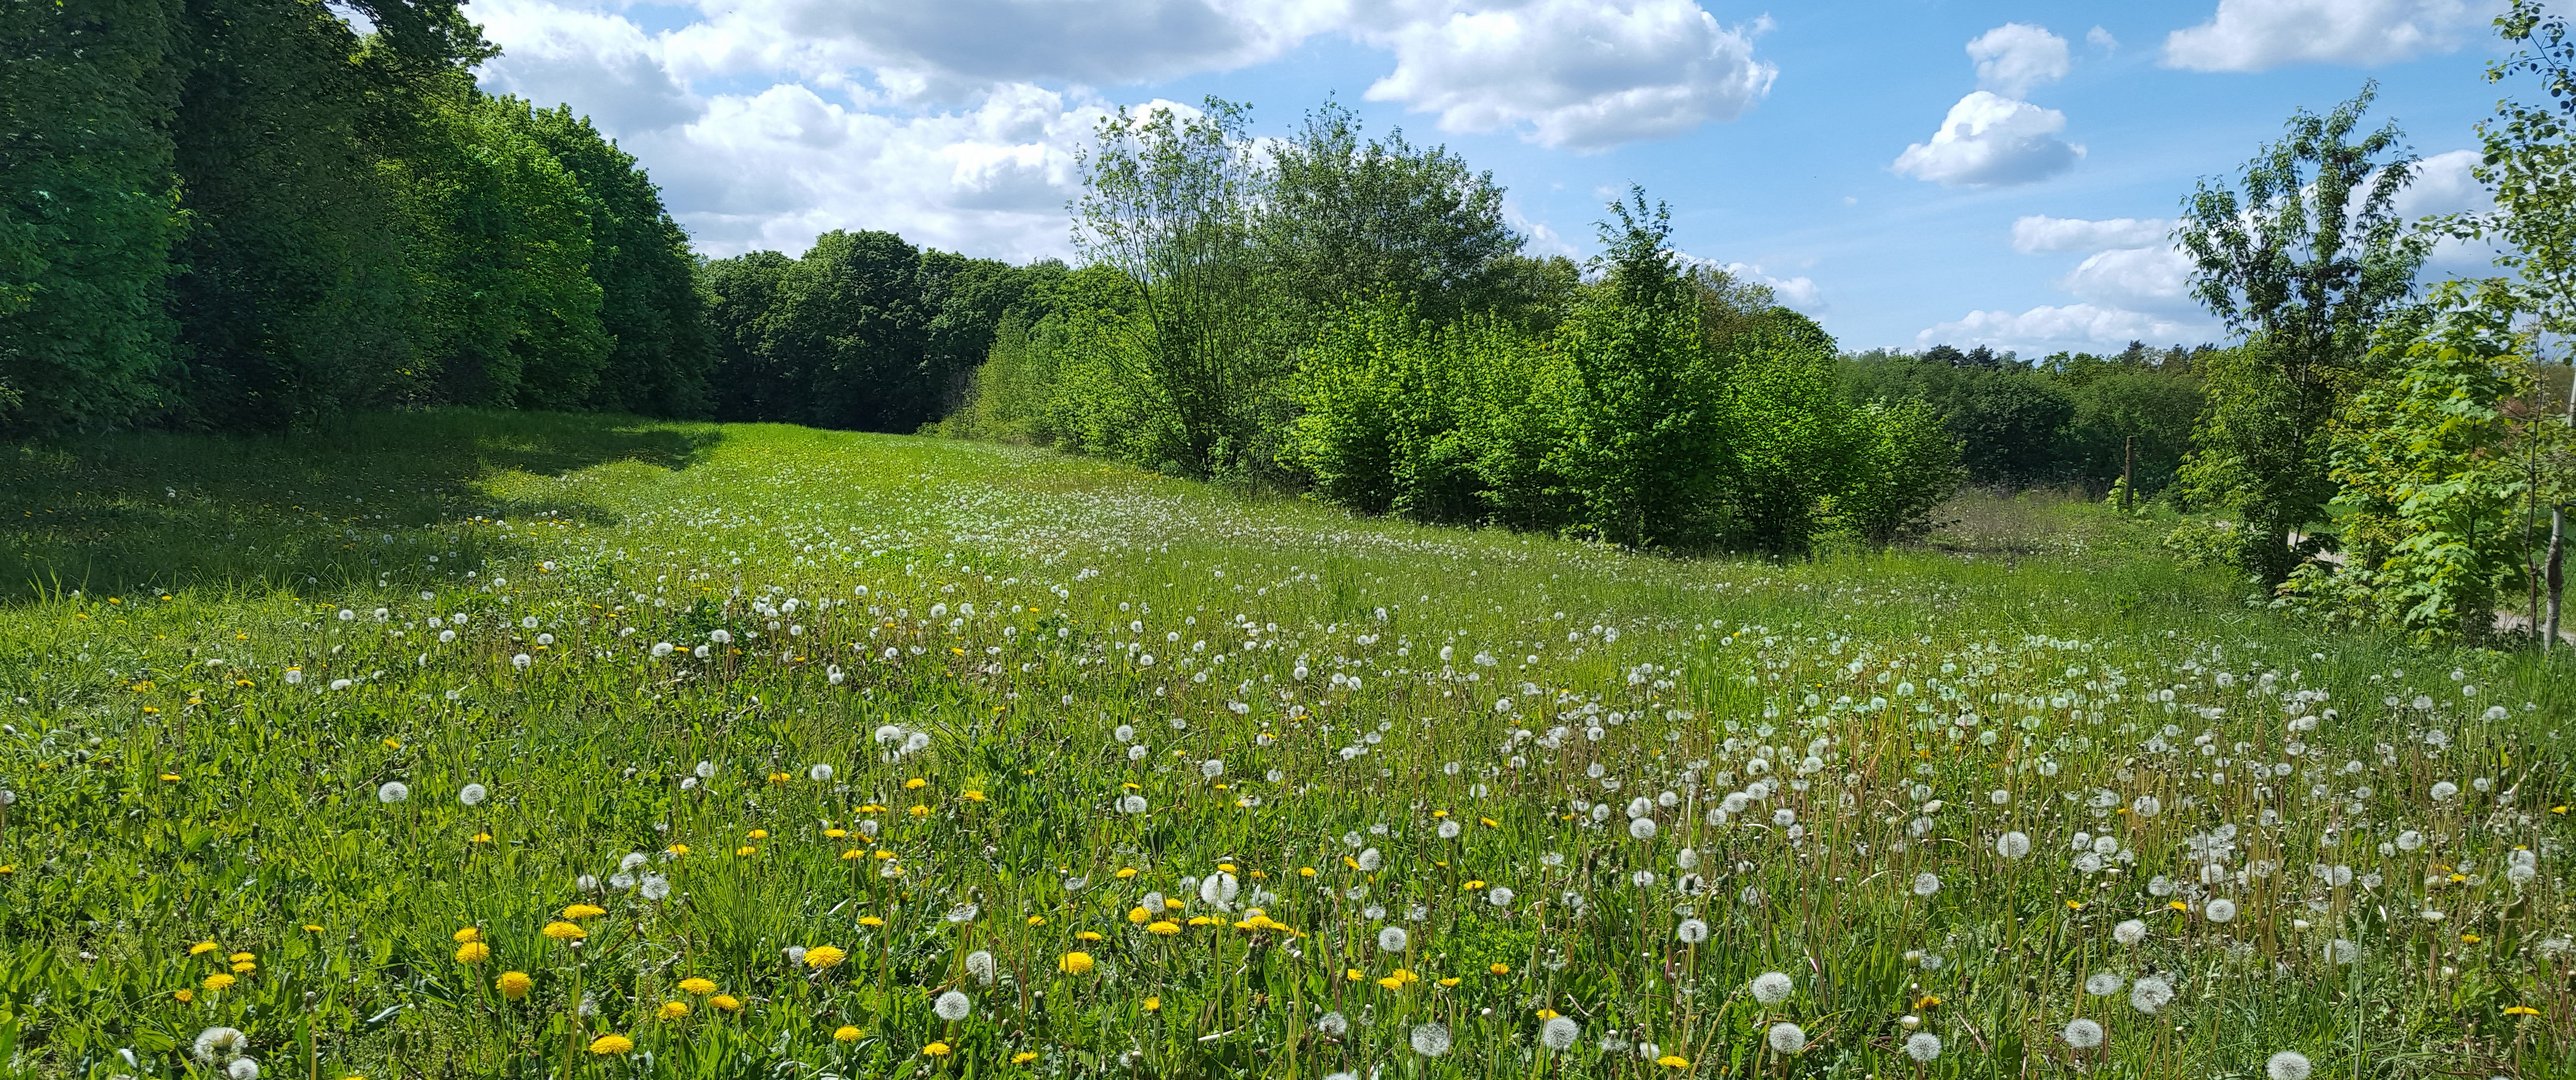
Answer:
(1908, 172)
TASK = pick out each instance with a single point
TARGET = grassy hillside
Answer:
(480, 744)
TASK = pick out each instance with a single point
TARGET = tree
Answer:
(2429, 484)
(1343, 217)
(2303, 262)
(291, 294)
(1651, 430)
(88, 210)
(743, 297)
(659, 354)
(507, 312)
(2530, 155)
(851, 331)
(1168, 201)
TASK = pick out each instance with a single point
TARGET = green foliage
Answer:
(2305, 261)
(1341, 218)
(254, 214)
(510, 313)
(1653, 416)
(87, 210)
(291, 301)
(1169, 201)
(2430, 493)
(659, 355)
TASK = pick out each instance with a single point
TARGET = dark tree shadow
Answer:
(390, 498)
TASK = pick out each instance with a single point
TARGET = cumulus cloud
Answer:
(2037, 234)
(950, 48)
(1575, 73)
(775, 168)
(602, 64)
(2155, 278)
(2014, 58)
(2049, 328)
(2445, 184)
(2101, 39)
(957, 122)
(2257, 35)
(1989, 139)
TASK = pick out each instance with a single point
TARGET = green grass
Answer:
(215, 652)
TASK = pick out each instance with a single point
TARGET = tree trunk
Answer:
(2553, 573)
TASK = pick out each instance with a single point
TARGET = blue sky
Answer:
(1907, 171)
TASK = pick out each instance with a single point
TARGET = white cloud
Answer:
(2445, 184)
(1797, 291)
(2153, 278)
(775, 168)
(2036, 234)
(1989, 139)
(604, 65)
(2050, 328)
(2014, 58)
(1575, 73)
(950, 48)
(2257, 35)
(2101, 39)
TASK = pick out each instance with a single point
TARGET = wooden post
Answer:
(2128, 471)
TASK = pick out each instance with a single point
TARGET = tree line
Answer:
(1351, 316)
(2071, 419)
(249, 213)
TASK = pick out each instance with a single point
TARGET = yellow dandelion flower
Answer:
(564, 931)
(1087, 935)
(2521, 1010)
(1037, 920)
(1450, 981)
(822, 957)
(468, 934)
(202, 948)
(185, 996)
(1305, 871)
(915, 784)
(757, 834)
(699, 985)
(937, 1050)
(584, 911)
(473, 952)
(846, 1033)
(611, 1045)
(1153, 1004)
(674, 1010)
(1162, 927)
(1673, 1061)
(1023, 1057)
(1125, 872)
(1075, 963)
(726, 1003)
(218, 981)
(1500, 969)
(513, 984)
(871, 921)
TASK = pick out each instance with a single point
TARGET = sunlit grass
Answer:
(755, 691)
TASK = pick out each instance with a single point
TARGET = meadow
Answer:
(489, 744)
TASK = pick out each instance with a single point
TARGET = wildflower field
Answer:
(463, 744)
